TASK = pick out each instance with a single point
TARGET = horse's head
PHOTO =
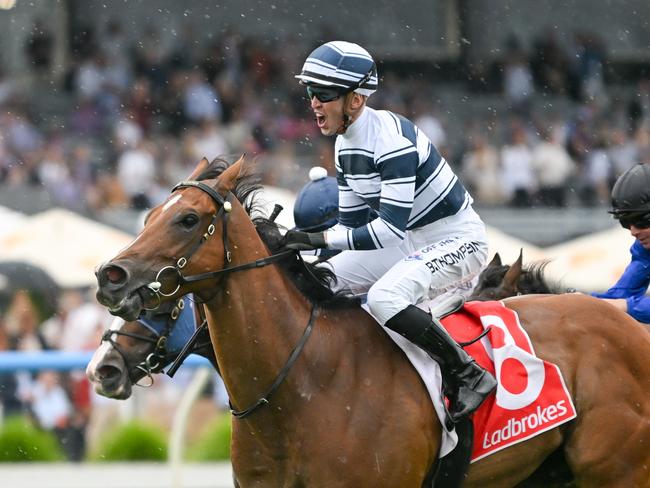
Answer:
(170, 247)
(131, 352)
(498, 281)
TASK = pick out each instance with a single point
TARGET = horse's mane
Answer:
(313, 281)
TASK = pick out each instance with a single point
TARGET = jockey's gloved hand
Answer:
(304, 241)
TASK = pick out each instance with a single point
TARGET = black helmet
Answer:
(631, 193)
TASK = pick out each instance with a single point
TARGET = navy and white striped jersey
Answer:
(384, 163)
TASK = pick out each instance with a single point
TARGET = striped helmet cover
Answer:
(342, 64)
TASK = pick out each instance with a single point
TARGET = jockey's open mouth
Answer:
(320, 119)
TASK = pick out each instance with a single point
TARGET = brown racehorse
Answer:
(352, 411)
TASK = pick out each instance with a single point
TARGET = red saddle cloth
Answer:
(531, 397)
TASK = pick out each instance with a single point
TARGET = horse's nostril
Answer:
(107, 372)
(115, 275)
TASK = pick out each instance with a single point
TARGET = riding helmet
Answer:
(341, 64)
(317, 204)
(631, 192)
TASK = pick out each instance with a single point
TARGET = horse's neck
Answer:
(255, 322)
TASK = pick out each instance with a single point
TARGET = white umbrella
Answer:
(9, 220)
(593, 262)
(66, 245)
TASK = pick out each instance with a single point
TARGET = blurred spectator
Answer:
(83, 323)
(52, 409)
(86, 119)
(518, 175)
(623, 153)
(426, 119)
(596, 174)
(136, 170)
(206, 141)
(114, 45)
(54, 174)
(482, 172)
(89, 79)
(553, 166)
(549, 63)
(589, 67)
(200, 100)
(49, 402)
(518, 85)
(21, 322)
(19, 132)
(139, 104)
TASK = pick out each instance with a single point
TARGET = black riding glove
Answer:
(304, 241)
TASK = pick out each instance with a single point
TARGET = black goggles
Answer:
(640, 221)
(324, 94)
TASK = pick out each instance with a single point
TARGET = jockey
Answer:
(424, 240)
(631, 207)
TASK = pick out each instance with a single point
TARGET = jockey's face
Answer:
(642, 235)
(329, 115)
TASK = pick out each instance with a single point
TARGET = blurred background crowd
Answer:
(141, 115)
(545, 123)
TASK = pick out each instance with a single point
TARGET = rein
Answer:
(225, 207)
(284, 372)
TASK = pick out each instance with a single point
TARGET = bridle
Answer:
(162, 337)
(224, 207)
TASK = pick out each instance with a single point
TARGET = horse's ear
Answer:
(200, 168)
(511, 279)
(241, 167)
(496, 261)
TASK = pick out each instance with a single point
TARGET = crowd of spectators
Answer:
(141, 115)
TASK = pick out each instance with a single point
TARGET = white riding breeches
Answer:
(443, 257)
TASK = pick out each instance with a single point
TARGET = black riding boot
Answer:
(467, 383)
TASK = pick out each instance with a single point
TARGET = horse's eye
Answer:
(189, 221)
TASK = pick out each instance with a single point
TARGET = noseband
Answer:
(224, 207)
(160, 357)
